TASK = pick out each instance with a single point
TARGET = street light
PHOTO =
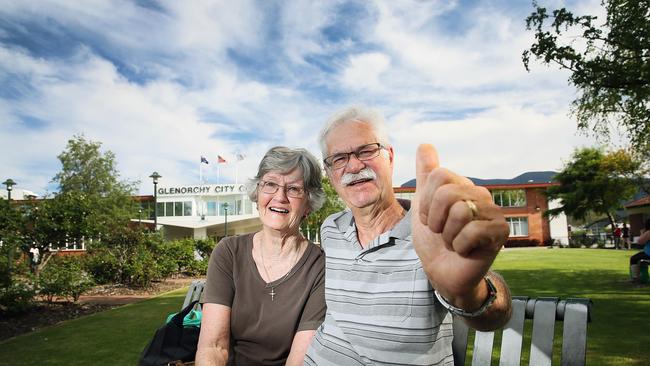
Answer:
(155, 176)
(225, 208)
(10, 186)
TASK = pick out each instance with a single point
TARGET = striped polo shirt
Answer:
(381, 309)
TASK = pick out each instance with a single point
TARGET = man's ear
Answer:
(391, 154)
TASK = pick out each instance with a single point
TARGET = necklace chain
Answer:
(293, 263)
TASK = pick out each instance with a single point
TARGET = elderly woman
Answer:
(264, 295)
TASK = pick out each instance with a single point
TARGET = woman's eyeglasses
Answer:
(271, 187)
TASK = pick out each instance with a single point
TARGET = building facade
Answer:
(523, 202)
(200, 211)
(638, 212)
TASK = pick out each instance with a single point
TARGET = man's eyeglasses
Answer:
(271, 187)
(363, 153)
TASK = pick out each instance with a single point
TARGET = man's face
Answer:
(354, 184)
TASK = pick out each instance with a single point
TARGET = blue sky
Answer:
(161, 83)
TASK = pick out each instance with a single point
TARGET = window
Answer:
(160, 209)
(178, 208)
(518, 226)
(212, 208)
(187, 208)
(169, 208)
(510, 197)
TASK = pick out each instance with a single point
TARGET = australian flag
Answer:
(204, 160)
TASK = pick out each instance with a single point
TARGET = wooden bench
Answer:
(544, 312)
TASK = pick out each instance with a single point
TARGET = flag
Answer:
(204, 160)
(220, 159)
(240, 157)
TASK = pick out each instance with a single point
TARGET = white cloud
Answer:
(301, 22)
(364, 71)
(465, 90)
(499, 143)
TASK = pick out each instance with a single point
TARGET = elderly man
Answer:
(396, 270)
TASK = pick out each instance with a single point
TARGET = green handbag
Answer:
(192, 319)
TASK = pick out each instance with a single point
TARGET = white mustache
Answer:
(365, 173)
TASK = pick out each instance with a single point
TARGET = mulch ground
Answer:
(98, 299)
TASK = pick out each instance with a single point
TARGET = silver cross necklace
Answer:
(293, 263)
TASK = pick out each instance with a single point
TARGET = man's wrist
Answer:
(492, 295)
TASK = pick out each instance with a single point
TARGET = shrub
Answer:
(141, 268)
(198, 268)
(17, 297)
(64, 277)
(205, 247)
(180, 252)
(518, 243)
(103, 266)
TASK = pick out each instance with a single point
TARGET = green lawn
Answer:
(113, 337)
(620, 330)
(617, 335)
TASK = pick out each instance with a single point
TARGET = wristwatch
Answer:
(492, 295)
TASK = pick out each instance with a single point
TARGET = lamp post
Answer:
(10, 186)
(225, 208)
(140, 216)
(10, 258)
(155, 176)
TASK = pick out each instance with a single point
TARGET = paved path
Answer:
(113, 300)
(123, 299)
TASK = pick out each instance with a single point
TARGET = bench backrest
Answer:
(574, 313)
(544, 312)
(194, 293)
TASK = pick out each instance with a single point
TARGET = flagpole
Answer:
(200, 172)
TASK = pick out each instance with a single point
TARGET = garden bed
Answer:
(97, 299)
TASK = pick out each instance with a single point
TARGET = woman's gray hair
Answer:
(354, 114)
(284, 160)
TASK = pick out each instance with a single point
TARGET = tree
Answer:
(89, 186)
(594, 181)
(331, 205)
(609, 64)
(90, 203)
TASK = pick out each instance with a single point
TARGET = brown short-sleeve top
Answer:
(261, 329)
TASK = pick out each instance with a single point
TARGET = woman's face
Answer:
(284, 209)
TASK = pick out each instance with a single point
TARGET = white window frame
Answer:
(518, 226)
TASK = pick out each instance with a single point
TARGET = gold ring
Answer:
(472, 207)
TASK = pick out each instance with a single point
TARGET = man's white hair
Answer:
(354, 114)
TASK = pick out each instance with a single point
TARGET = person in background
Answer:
(264, 295)
(626, 236)
(644, 239)
(396, 270)
(617, 237)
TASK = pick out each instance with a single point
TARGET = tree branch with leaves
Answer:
(609, 64)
